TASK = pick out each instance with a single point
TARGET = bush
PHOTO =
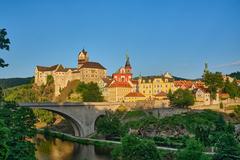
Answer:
(133, 148)
(110, 126)
(193, 151)
(182, 98)
(227, 148)
(90, 92)
(44, 116)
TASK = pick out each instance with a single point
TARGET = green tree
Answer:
(133, 148)
(23, 93)
(214, 81)
(44, 116)
(4, 44)
(50, 79)
(4, 133)
(20, 122)
(1, 94)
(109, 125)
(90, 92)
(182, 98)
(170, 95)
(227, 148)
(231, 88)
(235, 75)
(202, 133)
(192, 151)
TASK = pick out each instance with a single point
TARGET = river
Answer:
(56, 149)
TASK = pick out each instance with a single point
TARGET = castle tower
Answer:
(82, 57)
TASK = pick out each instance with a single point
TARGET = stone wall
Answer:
(148, 104)
(167, 112)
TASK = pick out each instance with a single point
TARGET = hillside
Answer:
(12, 82)
(29, 93)
(235, 75)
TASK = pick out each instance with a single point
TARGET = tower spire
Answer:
(127, 61)
(205, 67)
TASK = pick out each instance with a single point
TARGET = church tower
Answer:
(206, 68)
(128, 67)
(82, 57)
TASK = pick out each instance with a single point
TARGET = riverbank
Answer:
(95, 142)
(80, 140)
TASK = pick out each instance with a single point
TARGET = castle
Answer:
(86, 71)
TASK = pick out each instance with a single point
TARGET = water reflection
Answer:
(56, 149)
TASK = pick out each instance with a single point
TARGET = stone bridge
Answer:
(81, 115)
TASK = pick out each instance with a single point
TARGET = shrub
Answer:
(182, 98)
(133, 148)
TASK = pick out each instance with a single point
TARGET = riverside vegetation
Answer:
(192, 133)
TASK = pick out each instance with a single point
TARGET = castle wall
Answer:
(41, 77)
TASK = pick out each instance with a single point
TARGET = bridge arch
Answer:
(96, 120)
(81, 115)
(77, 128)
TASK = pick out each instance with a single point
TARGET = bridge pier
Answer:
(76, 129)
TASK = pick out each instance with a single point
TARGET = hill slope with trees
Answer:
(13, 82)
(235, 75)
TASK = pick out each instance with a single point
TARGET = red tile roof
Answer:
(134, 94)
(120, 84)
(224, 95)
(161, 94)
(188, 84)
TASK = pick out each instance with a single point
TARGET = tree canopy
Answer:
(109, 125)
(192, 151)
(90, 92)
(231, 88)
(227, 148)
(214, 82)
(181, 98)
(134, 148)
(18, 123)
(4, 44)
(235, 75)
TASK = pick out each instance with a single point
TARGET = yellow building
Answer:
(117, 91)
(134, 97)
(152, 85)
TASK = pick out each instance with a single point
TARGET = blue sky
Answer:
(178, 36)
